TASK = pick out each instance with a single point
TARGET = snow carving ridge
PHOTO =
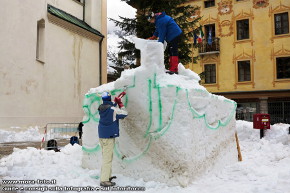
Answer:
(175, 128)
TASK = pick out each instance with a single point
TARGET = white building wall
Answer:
(93, 13)
(34, 93)
(70, 6)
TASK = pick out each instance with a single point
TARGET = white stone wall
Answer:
(36, 93)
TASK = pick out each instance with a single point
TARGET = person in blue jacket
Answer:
(166, 29)
(108, 130)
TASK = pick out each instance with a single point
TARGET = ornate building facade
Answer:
(245, 54)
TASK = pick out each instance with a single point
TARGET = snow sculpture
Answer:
(175, 130)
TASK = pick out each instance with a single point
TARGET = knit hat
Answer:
(106, 96)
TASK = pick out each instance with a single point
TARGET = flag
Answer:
(195, 38)
(209, 39)
(200, 36)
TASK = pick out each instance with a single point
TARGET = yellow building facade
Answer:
(245, 54)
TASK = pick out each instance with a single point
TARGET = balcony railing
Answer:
(204, 48)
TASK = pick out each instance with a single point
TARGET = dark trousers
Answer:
(173, 46)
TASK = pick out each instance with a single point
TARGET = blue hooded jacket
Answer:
(166, 28)
(109, 119)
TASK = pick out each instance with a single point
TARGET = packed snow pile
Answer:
(31, 134)
(277, 133)
(264, 169)
(175, 130)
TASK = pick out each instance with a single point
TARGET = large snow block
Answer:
(175, 130)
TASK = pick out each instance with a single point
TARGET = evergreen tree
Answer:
(128, 53)
(140, 27)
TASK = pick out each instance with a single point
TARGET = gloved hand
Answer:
(119, 102)
(122, 94)
(152, 38)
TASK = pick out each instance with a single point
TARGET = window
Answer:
(210, 73)
(283, 67)
(244, 71)
(40, 40)
(245, 111)
(281, 21)
(207, 29)
(243, 29)
(279, 111)
(209, 3)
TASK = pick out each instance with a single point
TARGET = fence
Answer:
(58, 131)
(205, 48)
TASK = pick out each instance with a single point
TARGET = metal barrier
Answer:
(58, 131)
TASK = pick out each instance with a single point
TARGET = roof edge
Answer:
(89, 28)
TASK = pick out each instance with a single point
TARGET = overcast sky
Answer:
(118, 8)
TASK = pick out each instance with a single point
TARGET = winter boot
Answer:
(107, 184)
(173, 65)
(169, 72)
(111, 178)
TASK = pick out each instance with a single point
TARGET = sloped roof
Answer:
(72, 19)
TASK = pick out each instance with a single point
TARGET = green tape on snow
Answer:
(90, 99)
(193, 111)
(87, 113)
(95, 177)
(126, 101)
(92, 150)
(134, 83)
(126, 159)
(160, 107)
(219, 123)
(113, 92)
(161, 130)
(149, 107)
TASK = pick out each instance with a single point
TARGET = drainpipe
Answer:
(100, 52)
(84, 9)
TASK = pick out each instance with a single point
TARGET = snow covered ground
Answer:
(265, 168)
(30, 134)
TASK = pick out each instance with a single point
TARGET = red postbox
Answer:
(261, 121)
